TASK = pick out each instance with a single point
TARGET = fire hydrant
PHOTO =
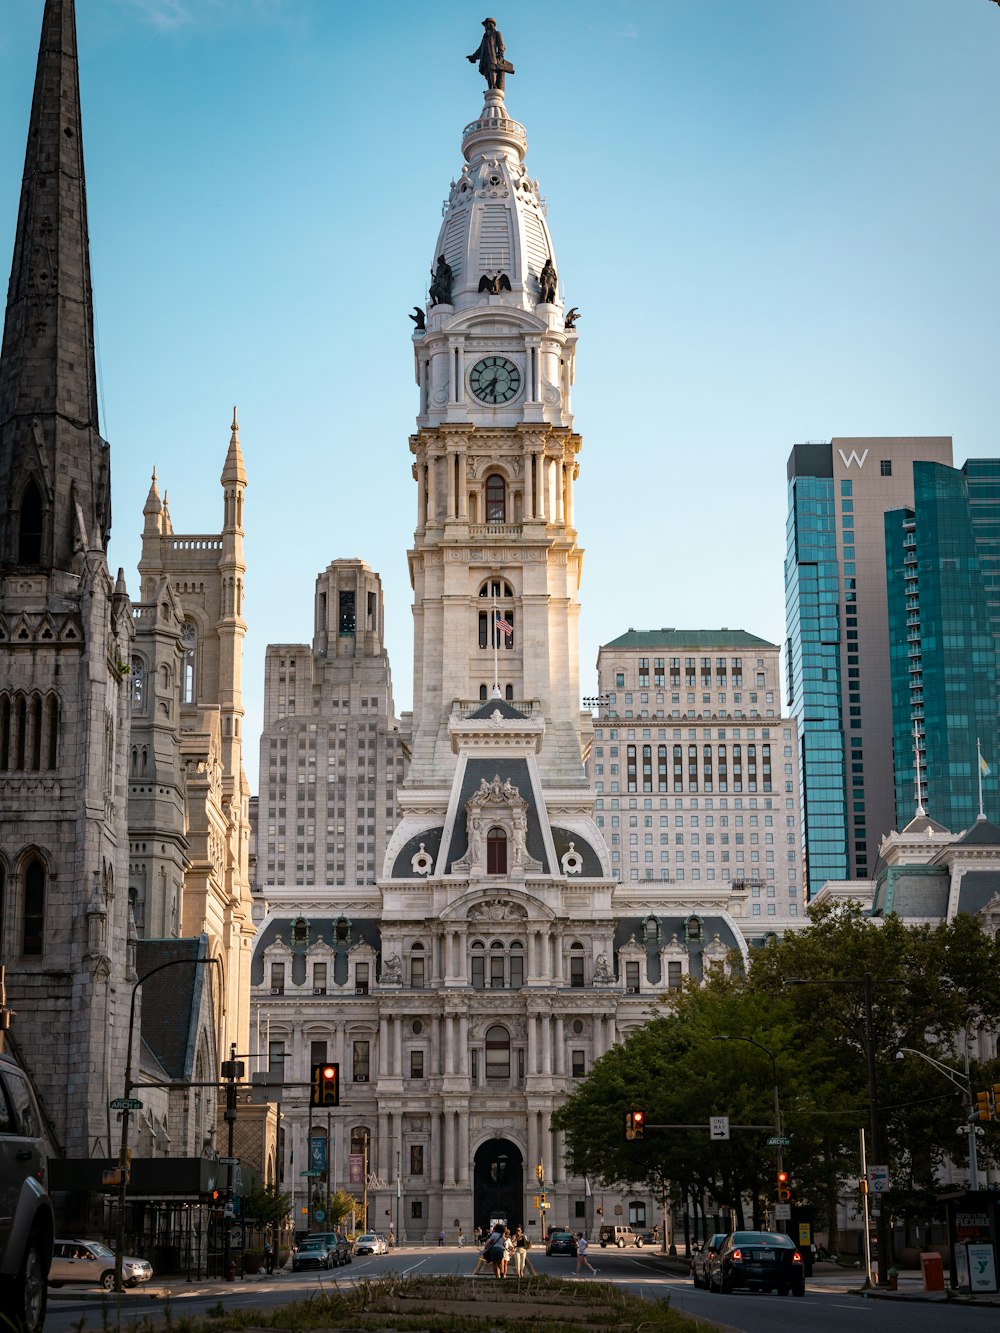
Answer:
(893, 1279)
(231, 1271)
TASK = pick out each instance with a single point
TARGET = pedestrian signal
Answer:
(325, 1085)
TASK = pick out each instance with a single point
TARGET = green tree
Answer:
(267, 1206)
(341, 1206)
(929, 983)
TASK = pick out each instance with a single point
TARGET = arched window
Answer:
(138, 684)
(29, 546)
(418, 970)
(478, 965)
(577, 975)
(300, 931)
(694, 928)
(20, 731)
(36, 732)
(52, 746)
(189, 642)
(33, 924)
(497, 965)
(496, 852)
(497, 1052)
(482, 692)
(496, 499)
(498, 621)
(508, 692)
(4, 732)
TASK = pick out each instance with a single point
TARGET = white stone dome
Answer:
(494, 217)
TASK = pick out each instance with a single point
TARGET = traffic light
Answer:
(984, 1107)
(996, 1100)
(325, 1089)
(635, 1123)
(540, 1171)
(784, 1189)
(600, 1210)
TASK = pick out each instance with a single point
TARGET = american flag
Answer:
(505, 625)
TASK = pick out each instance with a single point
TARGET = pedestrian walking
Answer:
(581, 1254)
(440, 1238)
(477, 1236)
(521, 1244)
(493, 1251)
(461, 1237)
(268, 1258)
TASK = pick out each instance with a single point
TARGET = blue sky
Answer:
(778, 217)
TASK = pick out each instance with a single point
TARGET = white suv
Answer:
(26, 1222)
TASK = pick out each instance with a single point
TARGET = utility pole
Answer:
(232, 1069)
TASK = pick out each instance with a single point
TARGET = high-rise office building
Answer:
(331, 759)
(838, 676)
(944, 638)
(696, 771)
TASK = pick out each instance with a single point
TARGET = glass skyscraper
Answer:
(943, 591)
(838, 672)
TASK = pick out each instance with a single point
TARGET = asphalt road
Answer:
(823, 1308)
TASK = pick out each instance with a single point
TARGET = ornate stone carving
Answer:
(497, 804)
(392, 971)
(603, 975)
(572, 861)
(422, 863)
(500, 910)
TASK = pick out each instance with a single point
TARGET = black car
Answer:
(312, 1253)
(337, 1243)
(560, 1241)
(757, 1260)
(26, 1219)
(701, 1256)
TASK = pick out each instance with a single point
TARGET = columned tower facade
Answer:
(495, 460)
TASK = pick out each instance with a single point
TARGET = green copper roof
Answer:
(688, 638)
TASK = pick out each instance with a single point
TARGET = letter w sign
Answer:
(853, 457)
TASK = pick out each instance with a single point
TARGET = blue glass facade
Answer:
(943, 590)
(812, 617)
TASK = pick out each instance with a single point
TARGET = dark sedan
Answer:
(561, 1242)
(337, 1243)
(311, 1254)
(757, 1260)
(703, 1253)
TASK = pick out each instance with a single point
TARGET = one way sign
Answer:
(718, 1127)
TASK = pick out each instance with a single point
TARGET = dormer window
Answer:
(342, 930)
(496, 852)
(300, 931)
(694, 928)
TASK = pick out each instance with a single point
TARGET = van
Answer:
(620, 1236)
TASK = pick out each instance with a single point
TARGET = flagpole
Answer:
(979, 775)
(496, 636)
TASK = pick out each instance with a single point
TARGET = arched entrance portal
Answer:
(498, 1183)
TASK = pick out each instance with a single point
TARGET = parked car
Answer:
(701, 1255)
(757, 1260)
(311, 1253)
(337, 1243)
(560, 1241)
(369, 1243)
(93, 1263)
(620, 1236)
(26, 1219)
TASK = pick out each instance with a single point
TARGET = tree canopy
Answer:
(803, 1000)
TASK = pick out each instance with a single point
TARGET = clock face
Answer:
(495, 380)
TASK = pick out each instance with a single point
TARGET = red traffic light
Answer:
(325, 1081)
(782, 1177)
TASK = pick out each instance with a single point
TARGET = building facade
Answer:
(837, 670)
(944, 640)
(65, 644)
(331, 757)
(498, 955)
(188, 811)
(696, 771)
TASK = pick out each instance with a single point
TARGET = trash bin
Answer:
(932, 1269)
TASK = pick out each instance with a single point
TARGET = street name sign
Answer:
(779, 1141)
(126, 1104)
(229, 1161)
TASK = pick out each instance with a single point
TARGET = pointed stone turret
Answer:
(52, 458)
(152, 510)
(234, 471)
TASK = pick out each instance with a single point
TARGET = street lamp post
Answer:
(966, 1086)
(774, 1078)
(123, 1172)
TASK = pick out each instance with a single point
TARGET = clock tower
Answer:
(495, 564)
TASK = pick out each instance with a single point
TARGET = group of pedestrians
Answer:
(502, 1245)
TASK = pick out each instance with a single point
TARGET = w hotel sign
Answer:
(853, 457)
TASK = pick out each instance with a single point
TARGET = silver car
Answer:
(93, 1263)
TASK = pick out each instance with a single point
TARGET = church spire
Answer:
(54, 466)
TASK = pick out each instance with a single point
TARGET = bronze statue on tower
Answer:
(490, 54)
